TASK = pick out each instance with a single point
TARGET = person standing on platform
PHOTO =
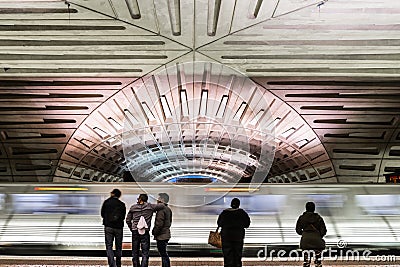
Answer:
(312, 229)
(161, 230)
(232, 222)
(139, 222)
(113, 213)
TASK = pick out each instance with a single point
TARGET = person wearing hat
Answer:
(232, 222)
(113, 213)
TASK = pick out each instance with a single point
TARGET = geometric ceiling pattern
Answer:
(200, 120)
(329, 71)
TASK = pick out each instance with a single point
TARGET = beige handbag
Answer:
(214, 239)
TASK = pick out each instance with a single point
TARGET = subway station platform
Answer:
(25, 261)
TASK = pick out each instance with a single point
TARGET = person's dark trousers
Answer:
(317, 261)
(307, 259)
(140, 242)
(162, 250)
(111, 234)
(232, 251)
(308, 255)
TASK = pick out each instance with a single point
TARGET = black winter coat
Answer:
(312, 229)
(162, 224)
(232, 223)
(113, 213)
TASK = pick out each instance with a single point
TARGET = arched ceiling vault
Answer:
(69, 70)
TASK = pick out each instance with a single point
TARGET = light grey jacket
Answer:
(146, 210)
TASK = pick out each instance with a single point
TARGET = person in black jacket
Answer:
(113, 213)
(161, 230)
(312, 229)
(232, 222)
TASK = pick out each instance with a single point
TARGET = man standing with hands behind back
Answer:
(113, 213)
(161, 230)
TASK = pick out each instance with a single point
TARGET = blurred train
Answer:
(65, 217)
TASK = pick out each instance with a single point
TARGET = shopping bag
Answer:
(214, 239)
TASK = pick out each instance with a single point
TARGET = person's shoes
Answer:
(306, 264)
(318, 264)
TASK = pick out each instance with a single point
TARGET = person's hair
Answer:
(143, 197)
(310, 206)
(116, 192)
(235, 203)
(164, 197)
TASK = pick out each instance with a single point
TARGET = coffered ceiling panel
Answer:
(329, 71)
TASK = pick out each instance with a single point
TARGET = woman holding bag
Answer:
(312, 229)
(232, 222)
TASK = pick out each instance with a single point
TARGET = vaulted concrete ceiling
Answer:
(70, 69)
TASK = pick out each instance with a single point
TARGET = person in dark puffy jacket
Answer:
(312, 229)
(232, 222)
(113, 213)
(161, 230)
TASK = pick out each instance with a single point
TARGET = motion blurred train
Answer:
(66, 217)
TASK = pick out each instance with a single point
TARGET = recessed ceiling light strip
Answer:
(133, 8)
(214, 7)
(174, 10)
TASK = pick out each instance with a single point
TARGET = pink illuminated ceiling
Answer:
(329, 72)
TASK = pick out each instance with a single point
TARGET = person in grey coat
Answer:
(312, 229)
(140, 236)
(161, 230)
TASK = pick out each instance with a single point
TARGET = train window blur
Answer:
(2, 201)
(326, 204)
(55, 203)
(254, 205)
(379, 204)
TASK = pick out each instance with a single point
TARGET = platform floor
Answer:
(29, 261)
